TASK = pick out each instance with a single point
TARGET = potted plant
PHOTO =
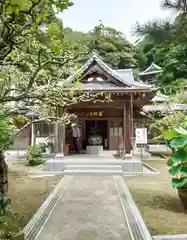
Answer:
(176, 139)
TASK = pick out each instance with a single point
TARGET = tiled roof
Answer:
(164, 108)
(160, 98)
(124, 76)
(152, 69)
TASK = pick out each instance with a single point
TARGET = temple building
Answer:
(115, 121)
(149, 75)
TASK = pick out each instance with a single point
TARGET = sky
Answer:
(119, 14)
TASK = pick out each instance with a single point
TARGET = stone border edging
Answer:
(171, 237)
(150, 168)
(123, 209)
(35, 225)
(137, 227)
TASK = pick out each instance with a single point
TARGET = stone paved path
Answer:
(88, 210)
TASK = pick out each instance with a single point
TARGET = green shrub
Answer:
(8, 226)
(176, 139)
(34, 155)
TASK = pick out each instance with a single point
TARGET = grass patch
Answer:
(28, 194)
(157, 201)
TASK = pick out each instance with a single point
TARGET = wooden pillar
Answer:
(128, 131)
(124, 126)
(56, 139)
(59, 133)
(128, 128)
(132, 120)
(32, 134)
(64, 139)
(61, 138)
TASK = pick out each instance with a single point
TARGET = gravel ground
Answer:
(88, 210)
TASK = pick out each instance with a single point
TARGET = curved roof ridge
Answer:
(153, 65)
(109, 70)
(160, 98)
(153, 68)
(95, 57)
(123, 70)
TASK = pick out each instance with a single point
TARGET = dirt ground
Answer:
(158, 202)
(27, 194)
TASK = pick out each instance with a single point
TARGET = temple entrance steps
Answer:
(92, 165)
(98, 166)
(89, 169)
(85, 164)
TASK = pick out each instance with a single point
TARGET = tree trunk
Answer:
(4, 200)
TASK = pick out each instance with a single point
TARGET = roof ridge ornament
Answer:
(94, 52)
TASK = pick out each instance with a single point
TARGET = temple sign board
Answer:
(141, 136)
(95, 114)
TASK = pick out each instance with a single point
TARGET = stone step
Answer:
(127, 166)
(93, 172)
(92, 162)
(93, 167)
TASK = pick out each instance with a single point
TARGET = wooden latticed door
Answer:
(115, 134)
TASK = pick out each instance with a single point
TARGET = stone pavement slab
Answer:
(88, 210)
(171, 237)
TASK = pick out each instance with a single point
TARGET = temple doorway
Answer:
(97, 127)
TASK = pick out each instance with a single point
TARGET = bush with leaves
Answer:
(7, 131)
(176, 139)
(34, 155)
(7, 135)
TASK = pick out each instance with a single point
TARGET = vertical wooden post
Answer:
(61, 138)
(128, 125)
(60, 130)
(132, 121)
(56, 131)
(64, 139)
(32, 134)
(124, 125)
(56, 127)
